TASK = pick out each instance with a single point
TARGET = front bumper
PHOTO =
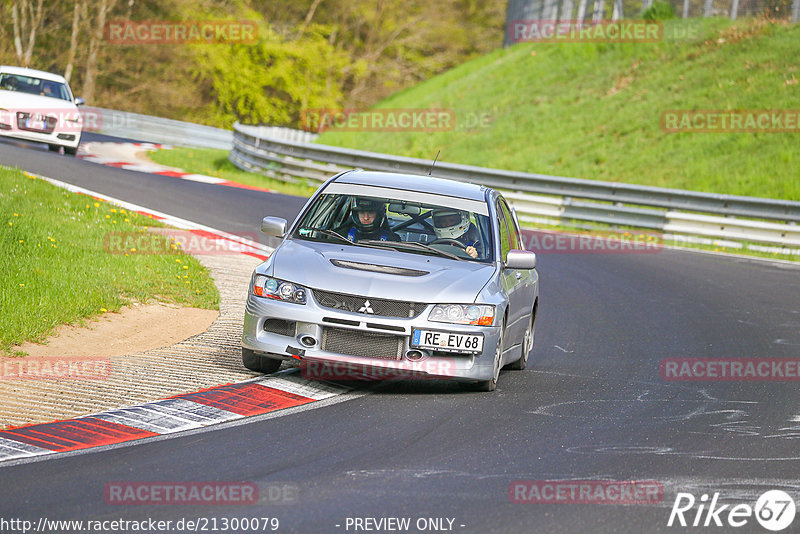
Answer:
(376, 345)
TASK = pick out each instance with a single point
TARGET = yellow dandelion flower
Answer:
(127, 220)
(185, 266)
(103, 310)
(108, 216)
(112, 210)
(186, 276)
(133, 250)
(11, 224)
(198, 291)
(22, 285)
(96, 204)
(16, 215)
(122, 211)
(178, 261)
(21, 240)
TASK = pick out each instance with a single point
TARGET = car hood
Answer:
(17, 100)
(310, 264)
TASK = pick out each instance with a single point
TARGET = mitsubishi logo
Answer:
(366, 308)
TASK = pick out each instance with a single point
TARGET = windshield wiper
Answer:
(412, 245)
(342, 238)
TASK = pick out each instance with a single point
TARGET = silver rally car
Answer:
(397, 272)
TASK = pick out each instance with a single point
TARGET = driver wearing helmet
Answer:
(367, 221)
(454, 225)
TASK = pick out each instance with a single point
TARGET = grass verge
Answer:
(54, 268)
(214, 162)
(593, 110)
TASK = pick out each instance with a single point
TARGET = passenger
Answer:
(454, 225)
(10, 83)
(367, 221)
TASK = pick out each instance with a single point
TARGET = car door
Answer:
(512, 278)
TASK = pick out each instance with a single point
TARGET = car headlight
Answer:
(266, 286)
(480, 314)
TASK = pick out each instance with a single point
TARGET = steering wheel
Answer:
(449, 241)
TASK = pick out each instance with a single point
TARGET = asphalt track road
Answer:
(591, 405)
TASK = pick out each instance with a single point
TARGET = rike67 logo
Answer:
(774, 510)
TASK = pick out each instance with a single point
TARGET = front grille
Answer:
(279, 326)
(365, 344)
(367, 305)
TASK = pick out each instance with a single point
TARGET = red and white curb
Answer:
(167, 416)
(184, 412)
(124, 156)
(221, 240)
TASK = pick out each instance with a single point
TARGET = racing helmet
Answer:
(368, 204)
(450, 223)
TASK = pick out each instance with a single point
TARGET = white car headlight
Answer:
(266, 286)
(479, 314)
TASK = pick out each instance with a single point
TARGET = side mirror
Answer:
(520, 259)
(274, 226)
(79, 101)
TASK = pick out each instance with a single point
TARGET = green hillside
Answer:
(593, 110)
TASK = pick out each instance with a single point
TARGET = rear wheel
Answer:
(258, 363)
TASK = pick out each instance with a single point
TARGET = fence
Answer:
(596, 10)
(538, 197)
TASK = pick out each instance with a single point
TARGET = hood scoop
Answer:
(387, 269)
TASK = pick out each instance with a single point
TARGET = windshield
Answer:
(34, 86)
(406, 226)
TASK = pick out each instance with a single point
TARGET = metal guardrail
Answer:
(154, 129)
(571, 199)
(172, 132)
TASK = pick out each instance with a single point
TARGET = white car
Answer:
(39, 106)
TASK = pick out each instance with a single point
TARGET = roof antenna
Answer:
(434, 162)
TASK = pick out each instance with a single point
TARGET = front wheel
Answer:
(527, 346)
(259, 364)
(491, 385)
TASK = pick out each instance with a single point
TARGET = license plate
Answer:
(35, 123)
(431, 339)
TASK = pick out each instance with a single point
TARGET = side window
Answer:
(513, 233)
(504, 244)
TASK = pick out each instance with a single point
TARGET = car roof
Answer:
(413, 182)
(33, 73)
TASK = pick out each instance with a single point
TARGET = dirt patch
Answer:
(135, 329)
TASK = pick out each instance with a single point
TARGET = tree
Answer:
(26, 20)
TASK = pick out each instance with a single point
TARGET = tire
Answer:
(527, 346)
(491, 385)
(70, 151)
(53, 148)
(258, 363)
